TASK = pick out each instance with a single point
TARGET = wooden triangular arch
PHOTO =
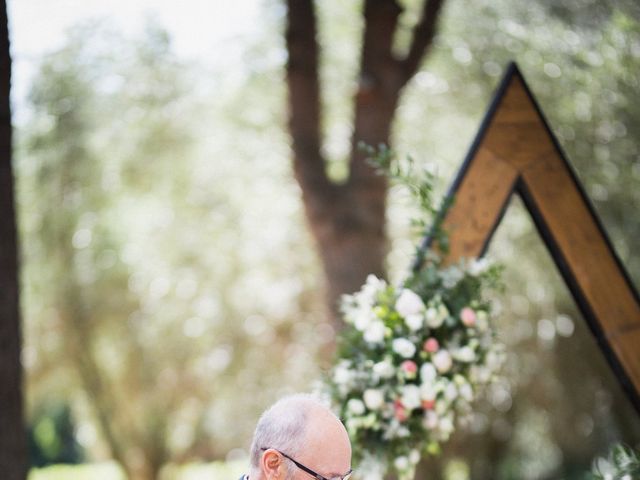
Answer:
(516, 152)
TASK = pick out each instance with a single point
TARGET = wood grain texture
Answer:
(515, 151)
(582, 245)
(479, 203)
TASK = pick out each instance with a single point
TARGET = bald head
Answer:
(303, 428)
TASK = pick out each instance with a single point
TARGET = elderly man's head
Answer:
(299, 438)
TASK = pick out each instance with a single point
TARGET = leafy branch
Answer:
(420, 182)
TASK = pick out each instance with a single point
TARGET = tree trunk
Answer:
(13, 445)
(348, 220)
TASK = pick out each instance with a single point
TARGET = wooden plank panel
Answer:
(517, 133)
(626, 346)
(478, 206)
(582, 245)
(515, 148)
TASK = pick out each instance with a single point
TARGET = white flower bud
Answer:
(415, 322)
(374, 333)
(465, 354)
(409, 303)
(411, 397)
(373, 399)
(355, 406)
(403, 347)
(384, 369)
(433, 319)
(442, 361)
(342, 375)
(428, 372)
(401, 463)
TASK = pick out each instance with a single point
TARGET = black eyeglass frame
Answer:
(315, 475)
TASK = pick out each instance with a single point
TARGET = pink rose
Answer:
(468, 317)
(431, 345)
(428, 404)
(400, 411)
(410, 368)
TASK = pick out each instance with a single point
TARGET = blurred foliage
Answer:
(110, 471)
(155, 274)
(168, 278)
(622, 463)
(52, 438)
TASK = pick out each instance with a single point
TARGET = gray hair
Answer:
(283, 426)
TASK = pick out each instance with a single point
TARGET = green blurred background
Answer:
(171, 290)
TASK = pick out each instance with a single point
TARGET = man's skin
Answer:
(327, 451)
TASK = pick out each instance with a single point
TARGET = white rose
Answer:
(428, 372)
(374, 333)
(403, 347)
(362, 318)
(374, 283)
(355, 406)
(410, 397)
(465, 354)
(427, 392)
(401, 463)
(373, 398)
(442, 361)
(409, 303)
(342, 375)
(415, 322)
(384, 369)
(414, 456)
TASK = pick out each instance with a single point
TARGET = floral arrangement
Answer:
(413, 357)
(623, 463)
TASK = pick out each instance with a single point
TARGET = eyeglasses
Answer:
(315, 475)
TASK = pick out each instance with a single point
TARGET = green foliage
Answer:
(52, 438)
(623, 463)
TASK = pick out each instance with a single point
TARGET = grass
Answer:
(111, 471)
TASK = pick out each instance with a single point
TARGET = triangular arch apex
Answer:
(515, 151)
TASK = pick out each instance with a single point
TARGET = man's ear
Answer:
(272, 465)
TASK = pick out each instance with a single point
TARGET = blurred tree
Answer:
(136, 273)
(13, 453)
(347, 218)
(162, 236)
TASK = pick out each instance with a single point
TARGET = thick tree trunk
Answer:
(348, 220)
(13, 445)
